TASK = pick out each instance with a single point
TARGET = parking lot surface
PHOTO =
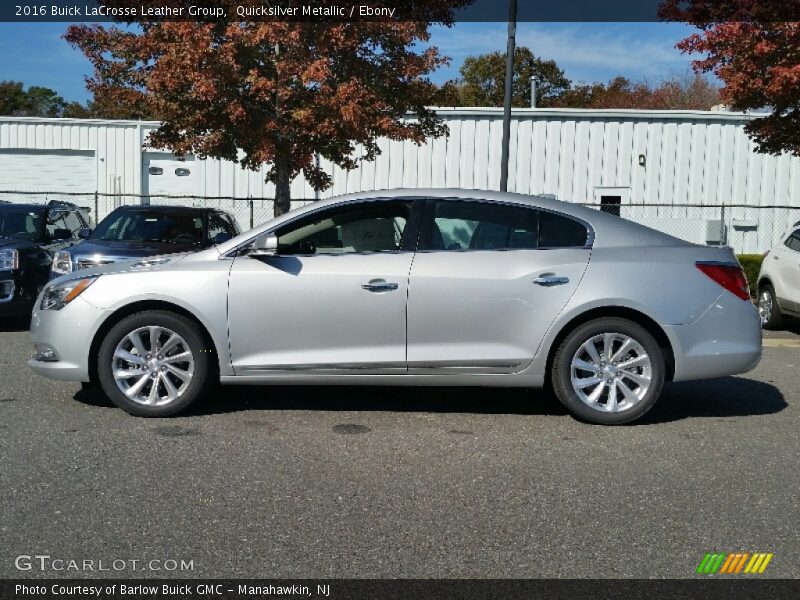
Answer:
(405, 482)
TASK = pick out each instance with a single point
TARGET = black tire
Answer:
(561, 374)
(775, 320)
(202, 376)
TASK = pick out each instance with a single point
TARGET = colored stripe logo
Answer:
(734, 563)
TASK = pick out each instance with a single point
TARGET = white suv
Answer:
(779, 280)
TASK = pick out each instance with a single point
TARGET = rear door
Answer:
(487, 282)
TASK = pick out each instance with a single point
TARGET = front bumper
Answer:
(69, 333)
(12, 301)
(725, 340)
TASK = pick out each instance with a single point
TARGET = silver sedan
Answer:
(410, 287)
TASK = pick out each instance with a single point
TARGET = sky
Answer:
(35, 54)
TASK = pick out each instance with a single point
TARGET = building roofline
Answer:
(473, 111)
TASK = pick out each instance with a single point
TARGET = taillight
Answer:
(731, 277)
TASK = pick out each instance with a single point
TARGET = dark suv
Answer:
(30, 236)
(132, 232)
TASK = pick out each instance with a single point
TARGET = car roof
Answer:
(24, 206)
(166, 208)
(609, 230)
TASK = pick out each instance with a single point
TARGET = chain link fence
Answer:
(747, 229)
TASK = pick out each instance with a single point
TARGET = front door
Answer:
(334, 298)
(488, 281)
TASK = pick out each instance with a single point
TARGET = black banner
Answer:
(401, 589)
(74, 11)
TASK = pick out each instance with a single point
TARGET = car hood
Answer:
(142, 264)
(15, 244)
(123, 250)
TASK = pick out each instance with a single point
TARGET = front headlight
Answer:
(62, 263)
(9, 260)
(56, 297)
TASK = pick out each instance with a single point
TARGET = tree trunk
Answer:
(283, 184)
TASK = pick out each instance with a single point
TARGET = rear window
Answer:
(793, 243)
(556, 231)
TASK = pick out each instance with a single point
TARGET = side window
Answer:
(73, 222)
(461, 225)
(233, 227)
(793, 242)
(556, 231)
(371, 227)
(218, 225)
(56, 220)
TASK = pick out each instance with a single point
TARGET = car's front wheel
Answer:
(155, 364)
(609, 371)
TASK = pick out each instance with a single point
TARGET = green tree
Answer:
(482, 81)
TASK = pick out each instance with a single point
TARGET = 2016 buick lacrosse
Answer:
(410, 287)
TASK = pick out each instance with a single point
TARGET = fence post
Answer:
(96, 208)
(252, 224)
(724, 226)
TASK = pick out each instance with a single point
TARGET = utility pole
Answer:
(512, 32)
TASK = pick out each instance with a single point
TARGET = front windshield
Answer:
(151, 226)
(20, 222)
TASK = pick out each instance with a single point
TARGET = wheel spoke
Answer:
(584, 366)
(131, 358)
(634, 362)
(136, 340)
(608, 344)
(123, 374)
(586, 382)
(642, 380)
(627, 392)
(611, 403)
(172, 393)
(622, 349)
(134, 390)
(184, 376)
(155, 333)
(153, 396)
(173, 340)
(592, 351)
(596, 393)
(182, 357)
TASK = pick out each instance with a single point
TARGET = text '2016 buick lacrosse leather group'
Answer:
(410, 287)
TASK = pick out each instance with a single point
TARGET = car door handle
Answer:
(548, 280)
(379, 285)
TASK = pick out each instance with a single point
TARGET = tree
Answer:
(675, 93)
(753, 48)
(272, 93)
(482, 80)
(36, 101)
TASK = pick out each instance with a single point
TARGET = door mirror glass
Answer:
(84, 233)
(61, 234)
(264, 245)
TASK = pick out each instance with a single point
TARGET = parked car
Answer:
(419, 287)
(132, 232)
(30, 235)
(779, 280)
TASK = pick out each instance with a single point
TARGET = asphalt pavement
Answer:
(407, 482)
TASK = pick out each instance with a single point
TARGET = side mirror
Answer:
(265, 245)
(61, 235)
(84, 233)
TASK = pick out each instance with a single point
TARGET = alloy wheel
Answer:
(611, 372)
(765, 307)
(152, 366)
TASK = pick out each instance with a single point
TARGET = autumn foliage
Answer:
(753, 46)
(271, 93)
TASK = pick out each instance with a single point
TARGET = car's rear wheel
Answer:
(609, 371)
(154, 364)
(768, 309)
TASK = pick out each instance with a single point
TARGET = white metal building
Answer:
(668, 159)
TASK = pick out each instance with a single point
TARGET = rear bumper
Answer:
(725, 340)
